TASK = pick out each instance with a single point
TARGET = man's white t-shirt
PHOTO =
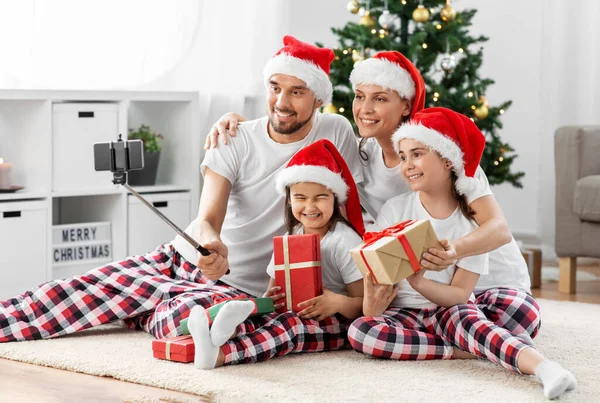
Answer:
(337, 266)
(409, 207)
(382, 183)
(255, 210)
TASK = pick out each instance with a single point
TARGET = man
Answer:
(240, 211)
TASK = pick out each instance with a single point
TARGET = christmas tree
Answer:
(435, 37)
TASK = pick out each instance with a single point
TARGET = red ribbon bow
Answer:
(370, 238)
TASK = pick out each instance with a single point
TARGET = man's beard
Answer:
(294, 128)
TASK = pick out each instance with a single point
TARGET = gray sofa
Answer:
(577, 162)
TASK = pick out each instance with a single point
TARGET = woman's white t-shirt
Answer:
(380, 182)
(337, 266)
(409, 207)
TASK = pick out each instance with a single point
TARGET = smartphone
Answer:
(119, 156)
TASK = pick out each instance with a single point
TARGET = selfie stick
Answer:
(119, 170)
(184, 235)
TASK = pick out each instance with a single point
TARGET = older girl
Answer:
(432, 315)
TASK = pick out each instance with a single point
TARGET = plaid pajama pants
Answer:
(153, 292)
(278, 334)
(401, 334)
(514, 310)
(426, 334)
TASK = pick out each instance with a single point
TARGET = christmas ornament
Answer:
(389, 21)
(448, 63)
(357, 56)
(448, 13)
(366, 20)
(353, 7)
(330, 108)
(421, 14)
(483, 110)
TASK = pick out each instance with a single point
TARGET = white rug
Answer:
(570, 334)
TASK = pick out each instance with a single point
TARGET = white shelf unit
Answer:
(47, 160)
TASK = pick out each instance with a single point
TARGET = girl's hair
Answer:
(291, 222)
(462, 200)
(363, 154)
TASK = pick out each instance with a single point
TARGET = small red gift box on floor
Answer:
(297, 261)
(179, 349)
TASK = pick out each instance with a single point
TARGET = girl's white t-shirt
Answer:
(507, 268)
(337, 266)
(382, 183)
(409, 207)
(254, 215)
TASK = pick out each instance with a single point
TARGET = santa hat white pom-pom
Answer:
(467, 186)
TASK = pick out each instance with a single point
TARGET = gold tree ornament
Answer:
(366, 20)
(357, 56)
(421, 14)
(330, 108)
(482, 111)
(353, 7)
(448, 13)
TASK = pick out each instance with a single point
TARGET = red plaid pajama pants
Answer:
(426, 334)
(153, 292)
(401, 334)
(278, 334)
(514, 310)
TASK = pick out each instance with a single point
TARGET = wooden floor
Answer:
(20, 383)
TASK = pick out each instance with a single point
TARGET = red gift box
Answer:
(297, 261)
(179, 349)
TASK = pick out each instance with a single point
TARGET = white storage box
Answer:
(75, 129)
(146, 230)
(24, 243)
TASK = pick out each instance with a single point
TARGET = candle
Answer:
(5, 168)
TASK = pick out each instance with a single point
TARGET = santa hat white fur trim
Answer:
(436, 141)
(384, 73)
(468, 186)
(314, 77)
(312, 173)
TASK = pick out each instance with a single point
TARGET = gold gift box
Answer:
(394, 253)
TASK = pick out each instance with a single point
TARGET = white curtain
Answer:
(93, 44)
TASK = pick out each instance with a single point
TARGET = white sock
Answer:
(206, 353)
(555, 378)
(227, 320)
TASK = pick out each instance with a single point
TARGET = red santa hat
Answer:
(453, 135)
(307, 62)
(322, 163)
(392, 70)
